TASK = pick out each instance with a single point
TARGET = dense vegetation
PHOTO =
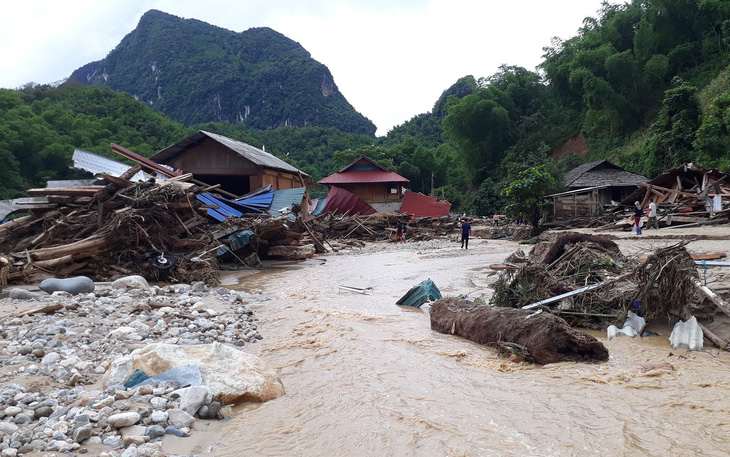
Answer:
(195, 72)
(646, 84)
(41, 126)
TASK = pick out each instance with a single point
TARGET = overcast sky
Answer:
(391, 59)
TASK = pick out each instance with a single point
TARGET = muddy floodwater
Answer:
(365, 377)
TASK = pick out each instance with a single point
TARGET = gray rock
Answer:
(130, 452)
(132, 430)
(210, 411)
(43, 411)
(192, 398)
(51, 357)
(113, 441)
(8, 428)
(123, 419)
(82, 433)
(179, 418)
(154, 431)
(74, 286)
(176, 432)
(22, 294)
(13, 410)
(198, 287)
(131, 282)
(23, 419)
(158, 416)
(60, 412)
(150, 450)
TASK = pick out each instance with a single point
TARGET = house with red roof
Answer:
(378, 186)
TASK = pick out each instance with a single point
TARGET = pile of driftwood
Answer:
(572, 262)
(377, 227)
(105, 231)
(588, 282)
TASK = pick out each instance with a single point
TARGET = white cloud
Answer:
(391, 59)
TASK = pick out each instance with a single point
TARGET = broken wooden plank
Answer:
(714, 298)
(83, 191)
(43, 309)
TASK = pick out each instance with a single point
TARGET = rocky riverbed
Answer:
(55, 349)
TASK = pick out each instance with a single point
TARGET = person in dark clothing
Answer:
(465, 231)
(399, 232)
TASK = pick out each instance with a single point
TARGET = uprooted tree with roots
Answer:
(525, 195)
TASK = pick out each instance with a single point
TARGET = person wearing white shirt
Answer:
(652, 217)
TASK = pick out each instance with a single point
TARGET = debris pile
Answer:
(591, 284)
(378, 227)
(116, 229)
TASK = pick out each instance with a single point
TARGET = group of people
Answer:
(639, 212)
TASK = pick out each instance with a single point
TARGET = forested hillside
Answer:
(195, 72)
(41, 126)
(645, 84)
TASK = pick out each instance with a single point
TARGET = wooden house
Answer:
(592, 187)
(378, 186)
(238, 167)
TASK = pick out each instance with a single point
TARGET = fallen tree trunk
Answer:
(79, 250)
(548, 338)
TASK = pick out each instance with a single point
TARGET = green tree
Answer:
(675, 129)
(487, 200)
(525, 195)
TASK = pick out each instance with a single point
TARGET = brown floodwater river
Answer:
(365, 377)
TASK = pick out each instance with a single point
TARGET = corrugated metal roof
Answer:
(255, 155)
(363, 176)
(340, 201)
(424, 206)
(286, 199)
(98, 164)
(223, 209)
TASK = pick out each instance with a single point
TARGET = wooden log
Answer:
(292, 252)
(318, 246)
(81, 249)
(46, 309)
(83, 191)
(54, 263)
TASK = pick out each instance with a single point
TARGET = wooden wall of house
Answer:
(212, 159)
(375, 192)
(574, 205)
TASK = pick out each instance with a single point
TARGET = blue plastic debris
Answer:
(236, 241)
(420, 294)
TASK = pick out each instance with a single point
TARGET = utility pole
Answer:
(432, 194)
